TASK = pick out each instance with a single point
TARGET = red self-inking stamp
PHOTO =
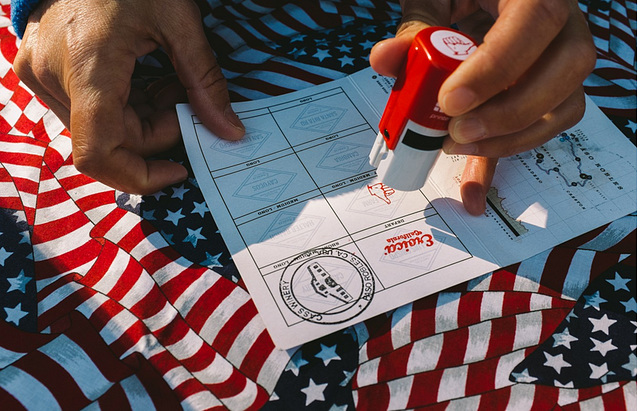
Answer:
(413, 127)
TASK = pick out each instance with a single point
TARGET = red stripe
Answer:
(258, 354)
(55, 229)
(424, 389)
(373, 397)
(49, 373)
(208, 303)
(230, 330)
(68, 260)
(454, 347)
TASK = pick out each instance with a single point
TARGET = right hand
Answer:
(78, 56)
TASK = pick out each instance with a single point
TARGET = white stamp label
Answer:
(327, 286)
(452, 44)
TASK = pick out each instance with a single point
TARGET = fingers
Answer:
(520, 35)
(551, 80)
(476, 181)
(200, 73)
(566, 115)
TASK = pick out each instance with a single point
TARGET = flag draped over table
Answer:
(117, 300)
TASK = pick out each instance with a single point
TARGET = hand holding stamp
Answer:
(413, 127)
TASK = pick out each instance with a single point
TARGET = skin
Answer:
(521, 87)
(78, 56)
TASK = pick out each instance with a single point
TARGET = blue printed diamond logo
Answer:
(318, 118)
(345, 157)
(246, 148)
(265, 185)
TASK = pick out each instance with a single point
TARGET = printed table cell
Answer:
(291, 231)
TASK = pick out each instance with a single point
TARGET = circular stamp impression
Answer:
(327, 286)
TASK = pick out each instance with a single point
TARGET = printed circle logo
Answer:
(327, 286)
(452, 44)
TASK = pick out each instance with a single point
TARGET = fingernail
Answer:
(473, 198)
(458, 101)
(233, 118)
(464, 149)
(468, 130)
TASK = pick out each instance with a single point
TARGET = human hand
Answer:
(78, 56)
(521, 87)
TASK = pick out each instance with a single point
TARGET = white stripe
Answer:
(7, 357)
(98, 213)
(11, 113)
(478, 342)
(200, 401)
(222, 313)
(29, 392)
(272, 369)
(53, 125)
(74, 360)
(8, 189)
(138, 291)
(491, 305)
(401, 326)
(528, 330)
(176, 376)
(148, 245)
(187, 346)
(447, 311)
(506, 364)
(117, 326)
(162, 318)
(218, 371)
(94, 302)
(578, 277)
(122, 227)
(258, 9)
(34, 110)
(532, 267)
(21, 171)
(592, 404)
(147, 345)
(244, 399)
(21, 148)
(60, 143)
(465, 404)
(136, 394)
(425, 354)
(57, 296)
(55, 212)
(521, 397)
(630, 391)
(116, 268)
(63, 244)
(482, 283)
(368, 373)
(66, 171)
(567, 396)
(190, 296)
(302, 16)
(540, 302)
(173, 269)
(399, 392)
(362, 12)
(613, 234)
(244, 340)
(277, 26)
(453, 383)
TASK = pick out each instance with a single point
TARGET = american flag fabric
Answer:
(116, 301)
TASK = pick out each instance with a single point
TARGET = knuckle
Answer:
(556, 12)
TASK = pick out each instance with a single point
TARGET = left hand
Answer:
(521, 87)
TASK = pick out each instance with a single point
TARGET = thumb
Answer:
(200, 73)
